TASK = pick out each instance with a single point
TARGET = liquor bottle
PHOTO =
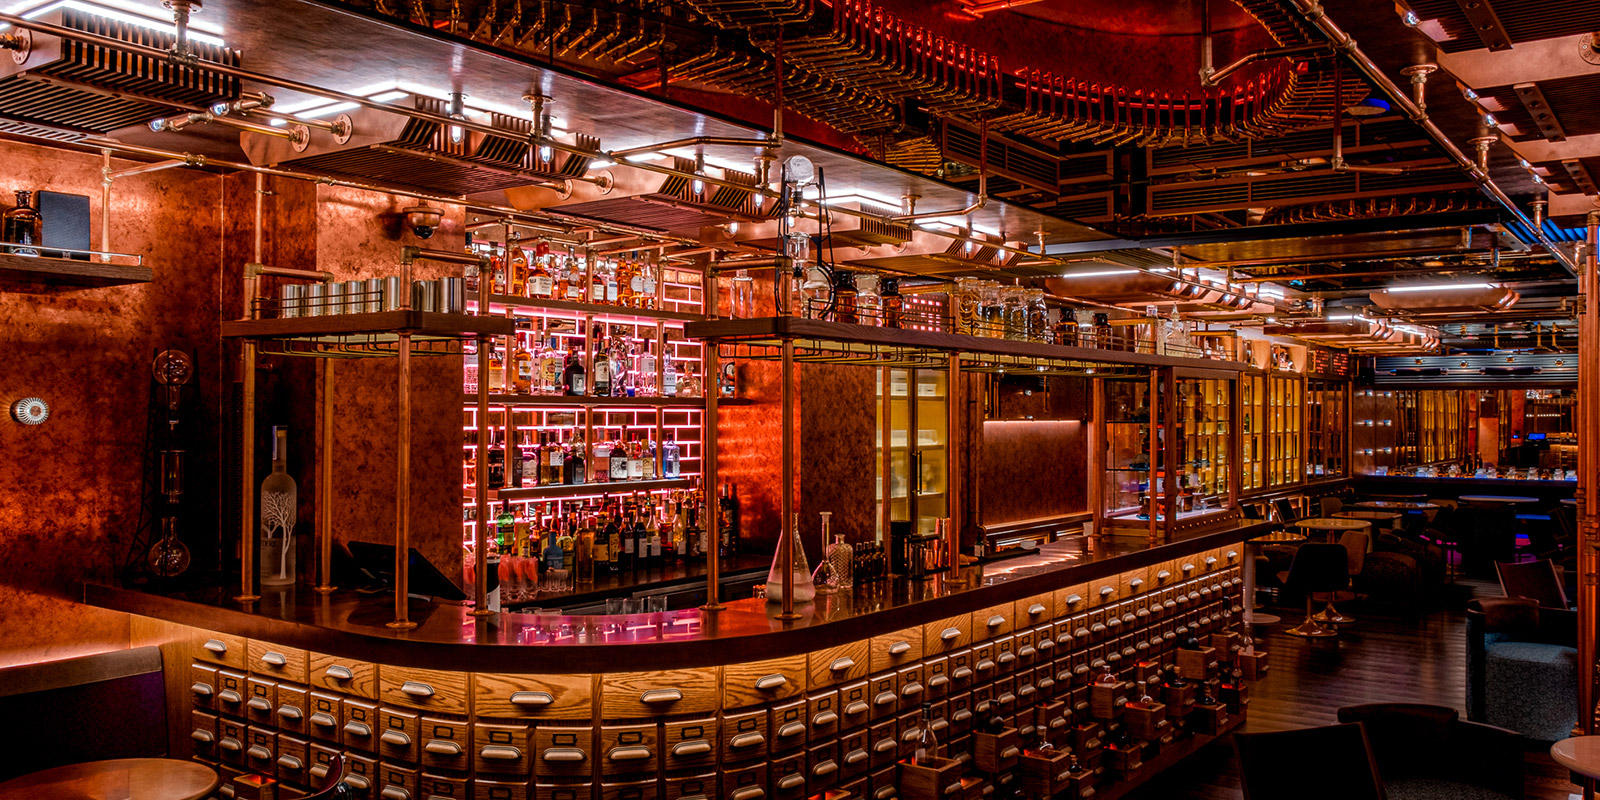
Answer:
(577, 282)
(652, 535)
(497, 274)
(551, 362)
(597, 282)
(554, 463)
(627, 280)
(602, 365)
(689, 384)
(630, 544)
(602, 545)
(647, 457)
(497, 462)
(620, 349)
(613, 534)
(728, 521)
(641, 543)
(505, 526)
(619, 458)
(893, 303)
(644, 376)
(497, 371)
(575, 467)
(669, 377)
(844, 297)
(927, 750)
(635, 460)
(744, 295)
(279, 507)
(562, 278)
(601, 465)
(518, 268)
(584, 572)
(24, 229)
(573, 376)
(528, 468)
(680, 531)
(646, 297)
(541, 283)
(1066, 328)
(669, 456)
(728, 378)
(522, 372)
(555, 558)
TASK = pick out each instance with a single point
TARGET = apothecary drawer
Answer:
(625, 695)
(283, 663)
(427, 689)
(339, 674)
(514, 696)
(756, 682)
(223, 649)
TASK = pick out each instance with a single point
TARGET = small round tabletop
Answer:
(1332, 524)
(1496, 499)
(1376, 516)
(118, 779)
(1395, 505)
(1580, 754)
(1279, 537)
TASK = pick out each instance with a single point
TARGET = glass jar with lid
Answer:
(967, 314)
(869, 302)
(1038, 315)
(992, 306)
(1014, 312)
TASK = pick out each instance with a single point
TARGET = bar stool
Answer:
(1317, 568)
(1355, 545)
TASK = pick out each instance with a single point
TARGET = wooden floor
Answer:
(1375, 661)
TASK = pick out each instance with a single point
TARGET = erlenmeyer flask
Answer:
(804, 590)
(825, 578)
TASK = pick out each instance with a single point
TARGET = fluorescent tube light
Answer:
(1438, 287)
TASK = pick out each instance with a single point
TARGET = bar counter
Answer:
(733, 703)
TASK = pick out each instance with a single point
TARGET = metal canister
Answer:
(316, 300)
(453, 295)
(373, 289)
(335, 301)
(291, 296)
(354, 301)
(393, 286)
(424, 296)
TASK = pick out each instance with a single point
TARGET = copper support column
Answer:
(247, 500)
(480, 554)
(786, 504)
(325, 483)
(1151, 495)
(952, 472)
(402, 499)
(1588, 453)
(711, 387)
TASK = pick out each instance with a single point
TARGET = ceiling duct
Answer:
(76, 87)
(1447, 299)
(1117, 284)
(644, 199)
(1365, 336)
(398, 150)
(927, 253)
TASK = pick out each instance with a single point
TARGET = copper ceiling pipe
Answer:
(1588, 451)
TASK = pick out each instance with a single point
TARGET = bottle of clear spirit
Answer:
(279, 511)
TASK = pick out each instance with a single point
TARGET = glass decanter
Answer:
(804, 590)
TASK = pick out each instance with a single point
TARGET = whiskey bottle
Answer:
(24, 229)
(584, 558)
(619, 458)
(541, 283)
(635, 460)
(613, 534)
(601, 470)
(497, 462)
(497, 371)
(549, 368)
(554, 462)
(602, 365)
(577, 282)
(498, 280)
(647, 455)
(522, 373)
(573, 376)
(529, 467)
(518, 268)
(575, 473)
(597, 281)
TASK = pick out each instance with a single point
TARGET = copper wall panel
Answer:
(836, 452)
(70, 489)
(1032, 470)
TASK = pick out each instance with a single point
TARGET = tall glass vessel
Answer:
(804, 590)
(279, 510)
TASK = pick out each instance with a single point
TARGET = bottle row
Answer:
(563, 458)
(628, 280)
(622, 367)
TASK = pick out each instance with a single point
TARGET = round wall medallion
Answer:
(30, 411)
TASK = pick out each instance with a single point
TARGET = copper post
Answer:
(886, 464)
(786, 504)
(402, 499)
(1151, 494)
(480, 556)
(1098, 446)
(325, 484)
(105, 205)
(247, 500)
(711, 373)
(952, 471)
(1588, 452)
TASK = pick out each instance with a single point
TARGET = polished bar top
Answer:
(447, 637)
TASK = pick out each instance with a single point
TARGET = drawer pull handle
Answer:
(1006, 699)
(339, 673)
(938, 680)
(985, 665)
(532, 699)
(844, 664)
(1073, 599)
(899, 648)
(883, 698)
(911, 689)
(939, 724)
(953, 788)
(1047, 683)
(788, 782)
(259, 704)
(997, 620)
(961, 716)
(358, 729)
(748, 793)
(203, 737)
(856, 757)
(417, 689)
(791, 729)
(744, 740)
(1081, 633)
(259, 752)
(274, 658)
(216, 646)
(500, 752)
(950, 633)
(201, 689)
(396, 738)
(563, 754)
(824, 718)
(358, 782)
(698, 747)
(1009, 752)
(911, 735)
(1058, 722)
(1036, 609)
(883, 793)
(394, 793)
(319, 772)
(855, 709)
(1064, 637)
(1163, 575)
(961, 673)
(636, 753)
(290, 763)
(229, 696)
(230, 744)
(1006, 658)
(288, 712)
(323, 720)
(1107, 591)
(654, 696)
(884, 745)
(1025, 690)
(1027, 651)
(771, 682)
(825, 768)
(1136, 583)
(443, 747)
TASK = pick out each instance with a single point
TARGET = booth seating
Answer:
(89, 708)
(1522, 667)
(1426, 752)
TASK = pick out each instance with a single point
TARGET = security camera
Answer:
(423, 220)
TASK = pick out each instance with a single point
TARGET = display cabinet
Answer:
(913, 440)
(1285, 396)
(1252, 441)
(1327, 429)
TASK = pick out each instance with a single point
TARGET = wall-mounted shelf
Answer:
(602, 311)
(71, 272)
(569, 401)
(587, 489)
(366, 335)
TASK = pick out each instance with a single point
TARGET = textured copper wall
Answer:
(839, 430)
(70, 489)
(1032, 470)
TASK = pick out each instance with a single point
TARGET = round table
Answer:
(1580, 755)
(1330, 525)
(1496, 500)
(1395, 505)
(118, 779)
(1373, 516)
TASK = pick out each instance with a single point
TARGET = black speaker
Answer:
(66, 224)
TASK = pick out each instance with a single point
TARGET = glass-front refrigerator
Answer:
(913, 429)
